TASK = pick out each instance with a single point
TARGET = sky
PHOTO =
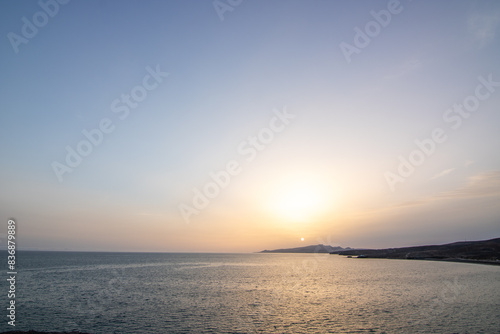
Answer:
(237, 126)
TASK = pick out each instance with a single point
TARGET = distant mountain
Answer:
(309, 249)
(485, 251)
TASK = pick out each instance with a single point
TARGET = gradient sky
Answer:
(321, 177)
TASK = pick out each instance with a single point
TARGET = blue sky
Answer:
(322, 178)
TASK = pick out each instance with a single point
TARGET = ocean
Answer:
(249, 293)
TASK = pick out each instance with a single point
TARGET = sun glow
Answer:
(300, 201)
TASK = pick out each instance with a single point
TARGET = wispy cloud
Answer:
(410, 203)
(404, 68)
(468, 163)
(485, 184)
(483, 27)
(443, 173)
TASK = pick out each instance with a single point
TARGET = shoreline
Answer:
(491, 263)
(456, 260)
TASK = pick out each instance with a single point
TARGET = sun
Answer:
(300, 200)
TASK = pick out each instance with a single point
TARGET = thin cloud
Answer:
(483, 27)
(406, 67)
(443, 173)
(485, 184)
(481, 188)
(410, 203)
(468, 163)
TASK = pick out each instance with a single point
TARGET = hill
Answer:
(484, 251)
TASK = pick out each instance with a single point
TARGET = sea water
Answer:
(250, 293)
